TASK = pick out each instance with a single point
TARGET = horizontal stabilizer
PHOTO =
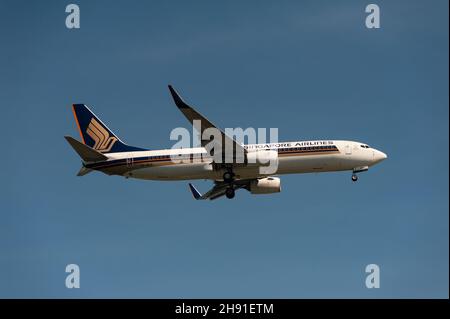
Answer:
(83, 171)
(87, 154)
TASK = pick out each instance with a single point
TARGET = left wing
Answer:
(215, 192)
(219, 189)
(191, 114)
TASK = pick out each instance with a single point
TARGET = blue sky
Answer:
(310, 68)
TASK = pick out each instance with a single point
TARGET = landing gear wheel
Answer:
(228, 177)
(354, 177)
(229, 193)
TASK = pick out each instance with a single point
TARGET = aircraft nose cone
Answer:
(378, 156)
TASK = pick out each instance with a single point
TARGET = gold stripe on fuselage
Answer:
(165, 162)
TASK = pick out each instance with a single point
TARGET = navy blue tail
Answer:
(96, 134)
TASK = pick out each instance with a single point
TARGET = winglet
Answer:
(177, 98)
(195, 192)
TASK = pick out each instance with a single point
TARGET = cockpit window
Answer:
(365, 146)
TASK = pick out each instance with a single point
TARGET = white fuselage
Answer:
(293, 158)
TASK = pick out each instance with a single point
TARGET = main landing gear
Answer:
(359, 169)
(229, 193)
(228, 177)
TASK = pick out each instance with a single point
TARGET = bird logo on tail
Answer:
(103, 141)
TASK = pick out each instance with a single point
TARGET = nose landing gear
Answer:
(358, 170)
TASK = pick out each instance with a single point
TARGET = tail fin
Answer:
(97, 135)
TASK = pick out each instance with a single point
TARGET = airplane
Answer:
(101, 150)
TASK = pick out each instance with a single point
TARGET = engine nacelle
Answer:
(262, 158)
(266, 185)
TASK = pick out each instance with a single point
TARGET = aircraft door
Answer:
(348, 150)
(130, 161)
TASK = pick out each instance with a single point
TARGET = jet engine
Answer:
(266, 185)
